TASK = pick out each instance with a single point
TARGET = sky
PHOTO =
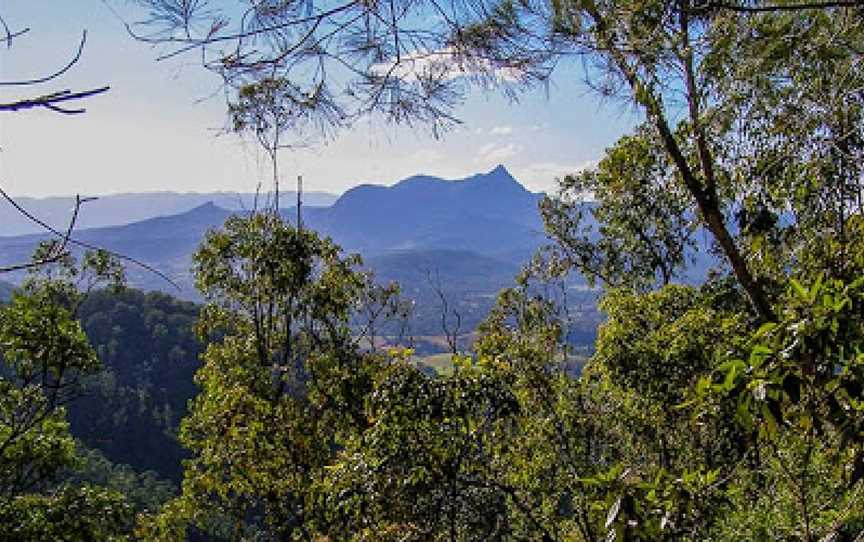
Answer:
(159, 127)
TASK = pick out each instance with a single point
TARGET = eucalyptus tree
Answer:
(751, 131)
(45, 354)
(283, 385)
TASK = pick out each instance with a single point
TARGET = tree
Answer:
(335, 63)
(283, 382)
(626, 222)
(45, 354)
(427, 466)
(722, 396)
(784, 137)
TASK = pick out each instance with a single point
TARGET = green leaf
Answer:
(800, 291)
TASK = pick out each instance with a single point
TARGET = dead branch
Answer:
(50, 101)
(451, 334)
(50, 76)
(10, 35)
(59, 249)
(67, 239)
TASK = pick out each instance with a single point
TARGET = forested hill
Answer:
(119, 209)
(126, 415)
(470, 235)
(131, 410)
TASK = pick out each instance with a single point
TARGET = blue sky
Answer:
(158, 127)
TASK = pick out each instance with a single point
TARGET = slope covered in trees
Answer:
(728, 410)
(5, 291)
(131, 409)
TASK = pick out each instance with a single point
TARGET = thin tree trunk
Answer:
(705, 195)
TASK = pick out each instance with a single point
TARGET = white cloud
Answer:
(425, 157)
(501, 130)
(445, 64)
(543, 176)
(493, 154)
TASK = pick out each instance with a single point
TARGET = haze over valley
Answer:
(467, 237)
(557, 271)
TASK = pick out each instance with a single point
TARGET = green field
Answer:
(441, 363)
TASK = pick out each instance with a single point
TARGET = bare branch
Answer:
(67, 239)
(50, 101)
(10, 35)
(54, 75)
(451, 334)
(58, 250)
(773, 8)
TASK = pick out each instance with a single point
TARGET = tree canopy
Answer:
(727, 408)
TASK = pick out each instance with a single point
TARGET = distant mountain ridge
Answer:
(120, 209)
(486, 213)
(5, 291)
(488, 217)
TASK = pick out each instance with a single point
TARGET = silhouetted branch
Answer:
(67, 239)
(50, 101)
(189, 43)
(54, 75)
(58, 250)
(742, 8)
(10, 35)
(451, 335)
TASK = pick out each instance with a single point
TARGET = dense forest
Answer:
(731, 409)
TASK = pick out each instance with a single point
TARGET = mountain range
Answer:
(469, 236)
(489, 213)
(119, 209)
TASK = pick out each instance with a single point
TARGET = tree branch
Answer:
(58, 250)
(68, 239)
(10, 35)
(739, 8)
(50, 101)
(54, 75)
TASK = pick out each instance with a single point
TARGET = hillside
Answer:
(131, 410)
(475, 231)
(489, 213)
(119, 209)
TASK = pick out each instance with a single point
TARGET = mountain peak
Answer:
(498, 175)
(207, 207)
(500, 170)
(498, 179)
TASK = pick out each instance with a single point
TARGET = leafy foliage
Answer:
(282, 380)
(638, 232)
(45, 355)
(74, 514)
(131, 409)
